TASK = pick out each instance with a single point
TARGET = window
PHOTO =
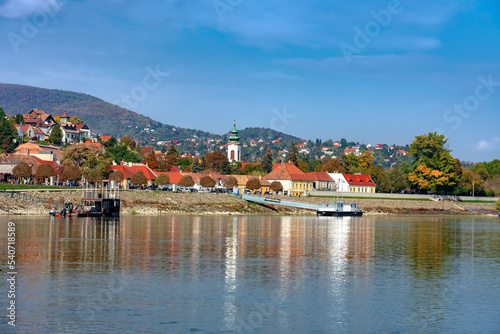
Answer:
(232, 155)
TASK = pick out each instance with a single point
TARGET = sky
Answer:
(368, 71)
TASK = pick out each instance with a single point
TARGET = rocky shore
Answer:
(158, 202)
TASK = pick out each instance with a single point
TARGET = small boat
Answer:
(339, 209)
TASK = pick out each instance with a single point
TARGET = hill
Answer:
(102, 117)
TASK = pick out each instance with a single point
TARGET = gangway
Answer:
(278, 201)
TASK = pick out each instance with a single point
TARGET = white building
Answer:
(354, 183)
(234, 146)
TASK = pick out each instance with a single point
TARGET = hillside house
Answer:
(354, 183)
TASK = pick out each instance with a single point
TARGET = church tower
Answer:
(234, 146)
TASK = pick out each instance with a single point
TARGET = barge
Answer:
(103, 203)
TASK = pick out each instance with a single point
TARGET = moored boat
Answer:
(339, 209)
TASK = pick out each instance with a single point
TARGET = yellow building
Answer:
(294, 181)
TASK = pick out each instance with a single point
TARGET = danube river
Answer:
(253, 274)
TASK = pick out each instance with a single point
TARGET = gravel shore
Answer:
(157, 202)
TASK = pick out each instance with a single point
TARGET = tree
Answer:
(139, 178)
(380, 178)
(111, 142)
(20, 119)
(303, 166)
(267, 161)
(151, 161)
(173, 153)
(128, 142)
(162, 180)
(230, 182)
(214, 160)
(198, 166)
(365, 162)
(186, 181)
(22, 170)
(251, 169)
(75, 120)
(333, 166)
(398, 178)
(225, 167)
(207, 182)
(253, 184)
(117, 176)
(95, 176)
(276, 186)
(7, 134)
(435, 168)
(44, 171)
(72, 173)
(56, 135)
(81, 155)
(293, 155)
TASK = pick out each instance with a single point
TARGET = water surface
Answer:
(255, 274)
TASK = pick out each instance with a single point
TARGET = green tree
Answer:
(173, 153)
(302, 165)
(398, 178)
(56, 135)
(7, 134)
(293, 155)
(20, 119)
(267, 161)
(380, 178)
(225, 167)
(95, 175)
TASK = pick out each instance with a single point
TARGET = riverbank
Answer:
(159, 202)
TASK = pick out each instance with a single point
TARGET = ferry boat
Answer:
(339, 209)
(99, 204)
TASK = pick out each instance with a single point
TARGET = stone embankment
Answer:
(158, 202)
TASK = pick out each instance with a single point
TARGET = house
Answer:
(379, 146)
(322, 181)
(243, 179)
(70, 133)
(84, 131)
(354, 183)
(35, 116)
(401, 152)
(25, 130)
(354, 151)
(43, 152)
(336, 144)
(295, 182)
(130, 169)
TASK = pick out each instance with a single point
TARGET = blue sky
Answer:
(368, 71)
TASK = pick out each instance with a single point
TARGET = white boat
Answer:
(339, 209)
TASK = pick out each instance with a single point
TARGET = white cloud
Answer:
(23, 8)
(489, 145)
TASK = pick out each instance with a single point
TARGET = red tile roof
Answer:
(129, 171)
(319, 176)
(105, 138)
(65, 115)
(287, 172)
(359, 180)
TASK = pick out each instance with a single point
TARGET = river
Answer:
(253, 274)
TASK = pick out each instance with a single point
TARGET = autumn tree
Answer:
(266, 165)
(128, 142)
(365, 162)
(22, 170)
(139, 178)
(75, 120)
(276, 186)
(72, 173)
(293, 155)
(7, 134)
(214, 160)
(333, 166)
(151, 161)
(435, 168)
(253, 184)
(117, 176)
(56, 135)
(44, 171)
(186, 181)
(162, 180)
(207, 182)
(230, 182)
(95, 175)
(302, 165)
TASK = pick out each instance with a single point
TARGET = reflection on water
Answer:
(257, 274)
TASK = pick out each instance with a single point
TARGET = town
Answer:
(61, 150)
